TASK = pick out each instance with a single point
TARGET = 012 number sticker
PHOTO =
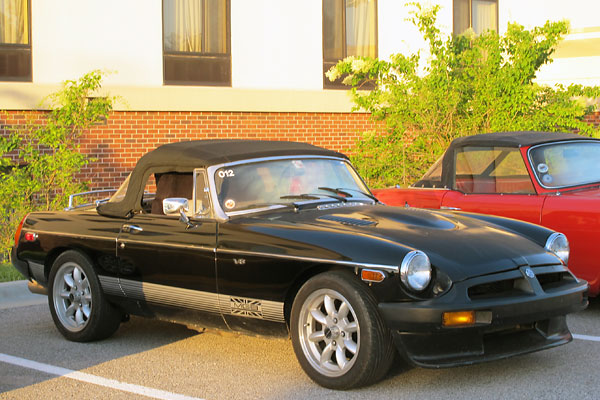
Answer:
(226, 173)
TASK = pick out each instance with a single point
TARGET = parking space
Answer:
(162, 360)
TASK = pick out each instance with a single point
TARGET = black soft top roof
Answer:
(203, 153)
(514, 139)
(186, 156)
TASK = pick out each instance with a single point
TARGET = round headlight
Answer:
(558, 244)
(415, 271)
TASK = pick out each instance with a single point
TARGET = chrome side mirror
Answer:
(173, 205)
(178, 205)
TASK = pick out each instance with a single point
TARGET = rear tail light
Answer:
(18, 232)
(30, 237)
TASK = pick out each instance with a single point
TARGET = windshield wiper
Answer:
(337, 191)
(300, 197)
(361, 192)
(313, 196)
(343, 192)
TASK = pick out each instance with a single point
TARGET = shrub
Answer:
(46, 153)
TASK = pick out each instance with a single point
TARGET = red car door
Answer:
(524, 207)
(576, 215)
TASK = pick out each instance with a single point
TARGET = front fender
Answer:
(535, 233)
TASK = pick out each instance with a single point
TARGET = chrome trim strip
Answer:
(118, 240)
(550, 144)
(411, 187)
(72, 197)
(387, 268)
(75, 235)
(255, 210)
(450, 208)
(195, 299)
(162, 244)
(349, 203)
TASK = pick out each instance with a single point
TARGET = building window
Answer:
(479, 15)
(15, 40)
(349, 29)
(196, 42)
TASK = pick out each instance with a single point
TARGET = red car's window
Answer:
(491, 170)
(433, 177)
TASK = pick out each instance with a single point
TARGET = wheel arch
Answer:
(303, 278)
(57, 251)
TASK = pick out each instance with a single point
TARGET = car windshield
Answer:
(566, 164)
(263, 184)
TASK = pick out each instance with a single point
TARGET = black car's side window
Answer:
(169, 185)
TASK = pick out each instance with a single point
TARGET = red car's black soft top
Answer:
(513, 139)
(500, 139)
(186, 156)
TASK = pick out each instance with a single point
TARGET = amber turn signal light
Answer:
(458, 318)
(371, 275)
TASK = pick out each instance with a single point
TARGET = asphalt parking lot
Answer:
(161, 360)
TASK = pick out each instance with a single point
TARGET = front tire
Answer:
(338, 336)
(78, 306)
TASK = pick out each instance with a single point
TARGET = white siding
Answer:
(277, 44)
(72, 37)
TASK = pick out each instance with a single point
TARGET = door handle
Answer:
(450, 208)
(131, 229)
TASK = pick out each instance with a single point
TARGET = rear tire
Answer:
(78, 306)
(338, 336)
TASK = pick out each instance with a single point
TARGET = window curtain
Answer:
(183, 25)
(216, 26)
(461, 16)
(333, 30)
(14, 22)
(484, 16)
(360, 28)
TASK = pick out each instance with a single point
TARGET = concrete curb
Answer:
(16, 294)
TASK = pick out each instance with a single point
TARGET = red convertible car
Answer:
(551, 179)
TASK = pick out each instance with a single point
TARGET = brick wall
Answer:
(126, 136)
(594, 118)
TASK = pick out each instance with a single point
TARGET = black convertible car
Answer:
(282, 238)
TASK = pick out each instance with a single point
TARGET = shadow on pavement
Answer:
(29, 333)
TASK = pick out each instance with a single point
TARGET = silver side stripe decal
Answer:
(194, 299)
(110, 285)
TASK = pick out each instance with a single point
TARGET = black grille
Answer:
(495, 289)
(552, 280)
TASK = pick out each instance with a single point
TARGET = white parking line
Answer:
(586, 337)
(96, 380)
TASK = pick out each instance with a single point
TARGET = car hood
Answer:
(461, 246)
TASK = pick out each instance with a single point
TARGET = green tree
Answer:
(42, 175)
(463, 85)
